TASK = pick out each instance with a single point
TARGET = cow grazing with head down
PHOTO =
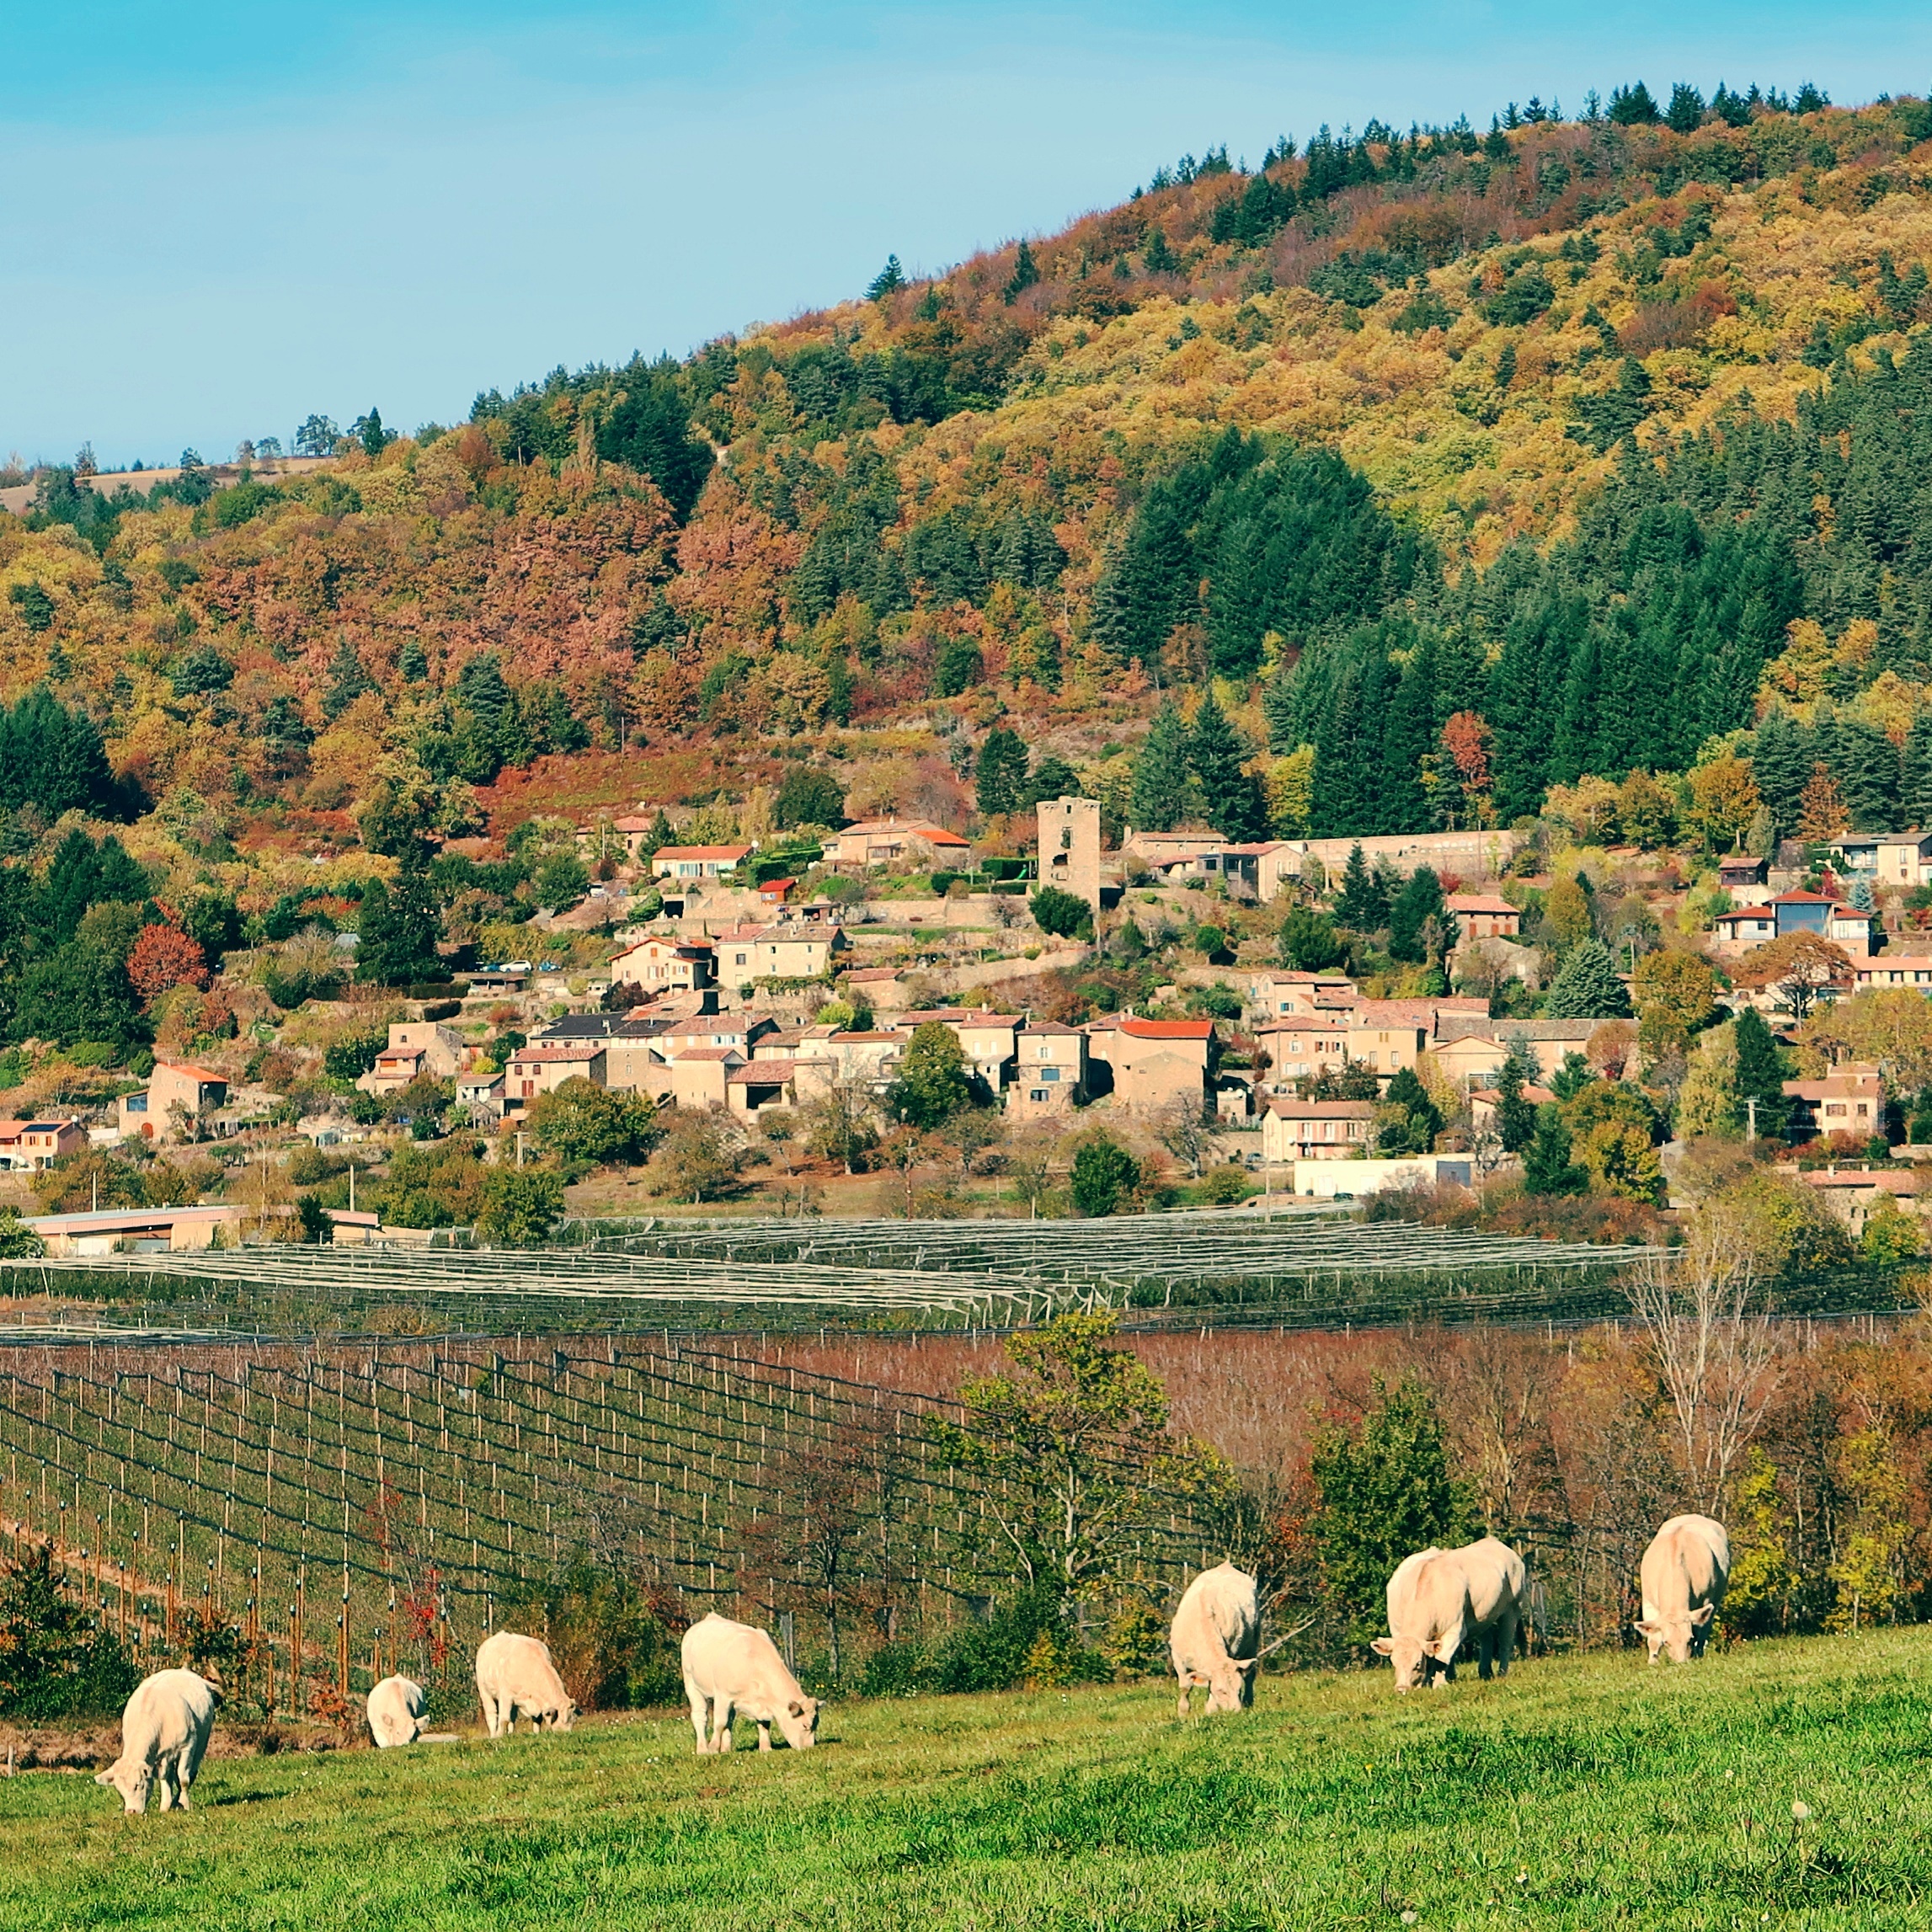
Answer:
(396, 1707)
(731, 1666)
(515, 1675)
(1215, 1638)
(1684, 1573)
(1440, 1598)
(163, 1734)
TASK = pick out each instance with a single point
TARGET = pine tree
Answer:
(1163, 793)
(1361, 906)
(1915, 776)
(1156, 256)
(1515, 1117)
(1237, 806)
(1868, 773)
(1587, 986)
(1761, 1074)
(347, 681)
(399, 929)
(1546, 1165)
(1026, 273)
(888, 281)
(1411, 935)
(1414, 1130)
(1000, 777)
(1781, 758)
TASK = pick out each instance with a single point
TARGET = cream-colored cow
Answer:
(1215, 1636)
(1684, 1573)
(515, 1674)
(731, 1666)
(1439, 1598)
(163, 1734)
(396, 1707)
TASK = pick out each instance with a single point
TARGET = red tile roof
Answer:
(732, 852)
(1168, 1029)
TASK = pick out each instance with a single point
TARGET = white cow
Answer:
(514, 1674)
(396, 1707)
(734, 1667)
(164, 1733)
(1215, 1638)
(1438, 1597)
(1684, 1574)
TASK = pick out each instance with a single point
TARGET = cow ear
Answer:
(103, 1777)
(1647, 1628)
(1702, 1615)
(797, 1708)
(1383, 1646)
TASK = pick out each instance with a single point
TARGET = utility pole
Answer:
(1751, 1111)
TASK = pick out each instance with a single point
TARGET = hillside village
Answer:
(883, 1017)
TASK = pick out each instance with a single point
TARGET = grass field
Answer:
(1590, 1792)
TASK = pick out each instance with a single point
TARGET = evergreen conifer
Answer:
(1163, 792)
(1515, 1117)
(1361, 906)
(1761, 1074)
(1546, 1164)
(1235, 804)
(1411, 935)
(397, 930)
(1000, 776)
(1587, 986)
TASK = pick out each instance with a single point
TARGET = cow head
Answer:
(1232, 1685)
(132, 1781)
(1415, 1663)
(1680, 1638)
(563, 1718)
(798, 1721)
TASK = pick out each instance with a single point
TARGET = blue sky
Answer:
(219, 218)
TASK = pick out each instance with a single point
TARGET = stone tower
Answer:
(1070, 846)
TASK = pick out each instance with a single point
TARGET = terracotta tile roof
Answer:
(732, 852)
(1168, 1029)
(189, 1070)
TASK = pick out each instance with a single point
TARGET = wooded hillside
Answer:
(1458, 466)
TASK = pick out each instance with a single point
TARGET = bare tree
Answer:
(825, 1545)
(841, 1121)
(1183, 1130)
(1716, 1355)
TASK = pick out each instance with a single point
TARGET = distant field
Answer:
(1581, 1792)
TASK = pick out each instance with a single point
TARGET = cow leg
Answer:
(1485, 1654)
(1507, 1632)
(720, 1727)
(700, 1711)
(764, 1734)
(184, 1773)
(1186, 1702)
(164, 1776)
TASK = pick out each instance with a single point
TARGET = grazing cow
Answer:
(1214, 1639)
(164, 1733)
(514, 1674)
(1438, 1597)
(734, 1667)
(1685, 1572)
(395, 1712)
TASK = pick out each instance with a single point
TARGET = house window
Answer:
(1037, 1095)
(1050, 1073)
(739, 960)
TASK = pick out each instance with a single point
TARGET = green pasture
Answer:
(1592, 1791)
